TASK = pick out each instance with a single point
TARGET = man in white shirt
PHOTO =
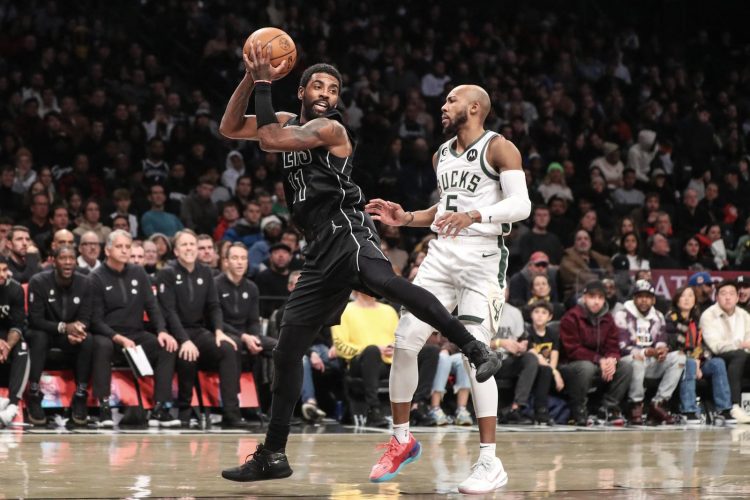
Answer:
(726, 332)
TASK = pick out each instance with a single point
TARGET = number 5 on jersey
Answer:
(297, 181)
(450, 202)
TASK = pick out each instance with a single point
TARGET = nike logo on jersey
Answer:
(489, 254)
(335, 227)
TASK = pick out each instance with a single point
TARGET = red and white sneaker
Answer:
(395, 457)
(487, 475)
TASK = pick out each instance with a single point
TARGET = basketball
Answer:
(281, 46)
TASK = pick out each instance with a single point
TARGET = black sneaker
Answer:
(79, 411)
(421, 416)
(727, 416)
(515, 417)
(485, 361)
(36, 413)
(161, 417)
(579, 417)
(232, 419)
(691, 418)
(542, 417)
(105, 415)
(186, 417)
(375, 418)
(264, 464)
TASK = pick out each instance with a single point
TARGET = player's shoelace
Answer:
(391, 451)
(481, 468)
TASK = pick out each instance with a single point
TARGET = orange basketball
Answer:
(281, 45)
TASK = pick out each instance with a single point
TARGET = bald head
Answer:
(474, 94)
(62, 237)
(465, 105)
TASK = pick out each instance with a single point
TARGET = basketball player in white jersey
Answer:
(482, 191)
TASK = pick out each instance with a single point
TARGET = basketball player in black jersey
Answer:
(343, 251)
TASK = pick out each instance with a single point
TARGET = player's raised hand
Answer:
(258, 64)
(387, 212)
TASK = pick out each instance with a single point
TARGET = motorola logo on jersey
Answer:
(296, 158)
(471, 155)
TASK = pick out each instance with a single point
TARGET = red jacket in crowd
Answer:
(588, 337)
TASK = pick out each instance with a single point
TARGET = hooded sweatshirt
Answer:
(641, 154)
(588, 337)
(638, 331)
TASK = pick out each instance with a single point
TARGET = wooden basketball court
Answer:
(331, 461)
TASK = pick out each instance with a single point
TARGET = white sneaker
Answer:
(7, 414)
(739, 415)
(4, 402)
(487, 475)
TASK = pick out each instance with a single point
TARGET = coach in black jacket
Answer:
(121, 293)
(14, 357)
(59, 316)
(188, 298)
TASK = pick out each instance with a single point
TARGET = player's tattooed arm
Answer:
(313, 134)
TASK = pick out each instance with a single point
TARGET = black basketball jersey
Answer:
(318, 184)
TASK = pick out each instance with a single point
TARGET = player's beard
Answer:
(309, 111)
(456, 123)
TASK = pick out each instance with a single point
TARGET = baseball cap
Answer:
(538, 257)
(658, 172)
(700, 278)
(555, 166)
(742, 282)
(643, 286)
(270, 219)
(610, 147)
(595, 286)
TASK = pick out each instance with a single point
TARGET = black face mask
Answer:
(392, 242)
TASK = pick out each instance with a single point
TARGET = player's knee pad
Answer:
(412, 333)
(484, 395)
(404, 375)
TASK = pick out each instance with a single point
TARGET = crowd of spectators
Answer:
(634, 142)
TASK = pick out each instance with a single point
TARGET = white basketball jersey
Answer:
(467, 182)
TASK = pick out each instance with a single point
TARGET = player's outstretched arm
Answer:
(235, 124)
(392, 214)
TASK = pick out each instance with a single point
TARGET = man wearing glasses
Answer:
(89, 250)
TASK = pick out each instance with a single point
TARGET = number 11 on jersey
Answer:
(297, 181)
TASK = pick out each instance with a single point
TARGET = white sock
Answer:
(401, 432)
(487, 450)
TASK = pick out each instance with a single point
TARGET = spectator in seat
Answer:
(726, 333)
(247, 229)
(689, 217)
(121, 293)
(630, 248)
(542, 292)
(628, 197)
(230, 215)
(520, 287)
(60, 316)
(89, 248)
(545, 343)
(561, 223)
(58, 220)
(684, 335)
(743, 292)
(694, 257)
(91, 222)
(554, 184)
(610, 165)
(580, 264)
(741, 252)
(641, 154)
(450, 362)
(539, 239)
(198, 211)
(659, 257)
(643, 346)
(591, 354)
(272, 282)
(207, 254)
(157, 220)
(122, 207)
(39, 211)
(703, 286)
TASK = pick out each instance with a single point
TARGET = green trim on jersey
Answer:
(467, 147)
(503, 265)
(472, 319)
(487, 171)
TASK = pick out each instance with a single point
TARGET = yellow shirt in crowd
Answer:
(364, 326)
